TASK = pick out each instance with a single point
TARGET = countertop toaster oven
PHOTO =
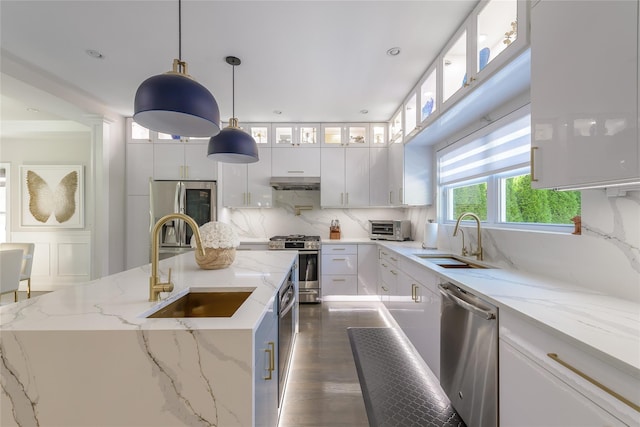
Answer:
(398, 230)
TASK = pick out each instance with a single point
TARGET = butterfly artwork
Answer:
(52, 196)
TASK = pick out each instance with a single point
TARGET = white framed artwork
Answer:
(52, 196)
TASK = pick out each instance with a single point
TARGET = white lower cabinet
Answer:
(339, 269)
(538, 389)
(367, 269)
(266, 370)
(416, 309)
(387, 276)
(339, 284)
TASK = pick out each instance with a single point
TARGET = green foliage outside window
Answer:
(525, 204)
(470, 198)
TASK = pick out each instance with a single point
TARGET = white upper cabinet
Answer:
(137, 133)
(395, 173)
(454, 67)
(378, 132)
(183, 161)
(296, 135)
(378, 191)
(584, 94)
(288, 162)
(411, 115)
(395, 127)
(344, 177)
(491, 36)
(247, 185)
(429, 96)
(345, 134)
(260, 132)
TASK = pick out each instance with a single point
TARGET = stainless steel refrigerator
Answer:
(194, 198)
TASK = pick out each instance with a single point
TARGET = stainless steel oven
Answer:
(308, 247)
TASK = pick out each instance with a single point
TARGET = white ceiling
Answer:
(317, 61)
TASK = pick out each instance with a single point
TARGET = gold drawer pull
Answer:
(601, 386)
(272, 364)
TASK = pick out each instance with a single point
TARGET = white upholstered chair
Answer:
(10, 266)
(27, 260)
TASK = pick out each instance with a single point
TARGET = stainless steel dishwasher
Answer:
(469, 355)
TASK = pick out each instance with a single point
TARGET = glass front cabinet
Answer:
(492, 35)
(488, 40)
(345, 134)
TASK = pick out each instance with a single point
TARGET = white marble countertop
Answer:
(120, 301)
(605, 326)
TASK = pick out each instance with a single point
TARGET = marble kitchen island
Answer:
(88, 356)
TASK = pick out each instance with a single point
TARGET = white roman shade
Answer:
(503, 145)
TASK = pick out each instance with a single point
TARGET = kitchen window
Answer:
(488, 173)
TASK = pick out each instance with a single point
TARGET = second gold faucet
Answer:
(478, 253)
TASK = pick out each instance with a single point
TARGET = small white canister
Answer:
(430, 239)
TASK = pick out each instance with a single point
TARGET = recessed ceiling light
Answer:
(277, 112)
(94, 54)
(394, 51)
(364, 111)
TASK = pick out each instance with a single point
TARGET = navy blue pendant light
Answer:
(175, 103)
(232, 144)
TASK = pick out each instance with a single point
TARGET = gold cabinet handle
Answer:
(393, 259)
(556, 358)
(339, 280)
(272, 363)
(532, 165)
(414, 292)
(338, 259)
(384, 289)
(384, 265)
(393, 272)
(338, 249)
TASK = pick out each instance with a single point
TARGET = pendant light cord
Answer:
(233, 91)
(180, 30)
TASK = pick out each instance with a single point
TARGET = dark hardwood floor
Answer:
(323, 388)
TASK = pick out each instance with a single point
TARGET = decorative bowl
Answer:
(215, 258)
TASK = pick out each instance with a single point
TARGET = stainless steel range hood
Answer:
(295, 182)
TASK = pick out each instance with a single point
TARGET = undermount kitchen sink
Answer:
(449, 261)
(219, 303)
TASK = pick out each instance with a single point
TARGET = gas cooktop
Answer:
(294, 241)
(295, 238)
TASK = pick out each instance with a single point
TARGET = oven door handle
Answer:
(289, 300)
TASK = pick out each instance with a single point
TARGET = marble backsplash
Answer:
(606, 257)
(299, 212)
